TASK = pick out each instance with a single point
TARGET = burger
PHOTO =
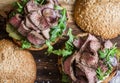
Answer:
(93, 60)
(32, 23)
(16, 65)
(100, 18)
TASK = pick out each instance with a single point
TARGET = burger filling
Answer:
(92, 62)
(36, 21)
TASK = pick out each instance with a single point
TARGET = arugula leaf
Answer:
(50, 47)
(118, 54)
(58, 7)
(68, 46)
(100, 74)
(112, 51)
(56, 31)
(107, 53)
(40, 1)
(19, 6)
(103, 53)
(25, 44)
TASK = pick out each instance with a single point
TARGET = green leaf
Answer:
(61, 52)
(57, 31)
(25, 44)
(65, 78)
(118, 53)
(50, 47)
(13, 32)
(19, 5)
(64, 18)
(56, 7)
(100, 74)
(106, 54)
(103, 53)
(68, 46)
(40, 1)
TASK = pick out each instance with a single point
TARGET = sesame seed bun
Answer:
(16, 65)
(101, 18)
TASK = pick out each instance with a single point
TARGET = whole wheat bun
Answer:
(99, 17)
(16, 65)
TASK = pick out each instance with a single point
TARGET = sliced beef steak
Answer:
(78, 43)
(50, 15)
(83, 64)
(23, 30)
(67, 65)
(35, 18)
(43, 24)
(80, 75)
(88, 51)
(46, 33)
(15, 21)
(38, 21)
(35, 38)
(31, 6)
(89, 72)
(108, 44)
(30, 25)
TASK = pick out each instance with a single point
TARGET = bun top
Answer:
(99, 17)
(16, 66)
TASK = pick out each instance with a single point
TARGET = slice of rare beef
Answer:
(84, 62)
(31, 6)
(35, 18)
(23, 30)
(30, 25)
(15, 20)
(35, 38)
(46, 33)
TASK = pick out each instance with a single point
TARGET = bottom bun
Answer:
(16, 65)
(32, 48)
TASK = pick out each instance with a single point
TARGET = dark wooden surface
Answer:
(47, 65)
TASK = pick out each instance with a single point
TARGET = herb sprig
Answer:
(106, 54)
(56, 31)
(19, 6)
(26, 44)
(68, 46)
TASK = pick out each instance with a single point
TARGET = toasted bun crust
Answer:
(100, 18)
(16, 65)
